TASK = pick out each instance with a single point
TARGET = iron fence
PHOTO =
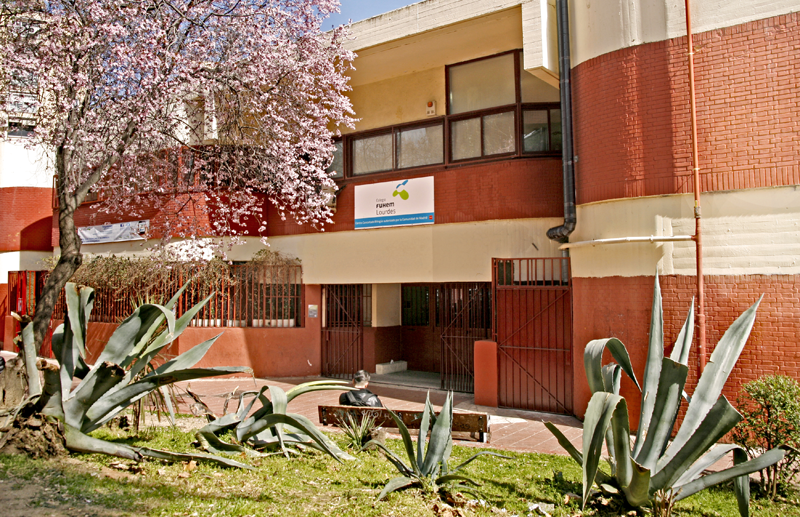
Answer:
(248, 295)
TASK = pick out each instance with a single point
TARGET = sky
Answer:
(357, 10)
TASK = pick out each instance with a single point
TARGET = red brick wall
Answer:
(506, 189)
(620, 307)
(632, 122)
(25, 219)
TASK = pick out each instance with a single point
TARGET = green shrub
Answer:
(771, 410)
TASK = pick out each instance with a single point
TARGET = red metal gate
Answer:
(24, 289)
(464, 316)
(532, 308)
(342, 330)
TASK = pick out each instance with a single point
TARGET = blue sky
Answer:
(358, 10)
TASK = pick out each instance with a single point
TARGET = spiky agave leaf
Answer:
(713, 379)
(652, 368)
(108, 406)
(394, 459)
(441, 438)
(476, 456)
(770, 457)
(593, 361)
(408, 443)
(397, 484)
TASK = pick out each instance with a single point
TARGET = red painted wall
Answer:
(274, 352)
(505, 189)
(632, 123)
(381, 345)
(620, 307)
(25, 219)
(279, 352)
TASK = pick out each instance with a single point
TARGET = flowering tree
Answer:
(179, 105)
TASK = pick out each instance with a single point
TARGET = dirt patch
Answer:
(39, 497)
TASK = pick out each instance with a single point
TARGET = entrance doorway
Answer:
(533, 331)
(343, 313)
(440, 324)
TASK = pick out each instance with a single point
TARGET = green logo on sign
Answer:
(399, 191)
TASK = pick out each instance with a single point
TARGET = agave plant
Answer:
(271, 428)
(357, 429)
(658, 471)
(114, 382)
(428, 466)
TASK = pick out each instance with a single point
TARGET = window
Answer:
(401, 148)
(494, 109)
(541, 130)
(482, 84)
(416, 301)
(22, 109)
(336, 168)
(420, 146)
(20, 127)
(372, 154)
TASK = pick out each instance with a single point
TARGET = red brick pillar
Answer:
(486, 373)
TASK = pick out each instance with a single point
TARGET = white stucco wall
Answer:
(23, 167)
(602, 26)
(597, 27)
(458, 252)
(745, 232)
(21, 261)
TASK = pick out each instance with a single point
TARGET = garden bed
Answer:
(312, 484)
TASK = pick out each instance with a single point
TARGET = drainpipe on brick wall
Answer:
(561, 233)
(701, 314)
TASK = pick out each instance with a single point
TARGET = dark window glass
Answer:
(420, 146)
(372, 154)
(336, 168)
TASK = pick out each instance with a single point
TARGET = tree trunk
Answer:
(69, 261)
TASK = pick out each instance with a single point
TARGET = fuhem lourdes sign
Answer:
(394, 203)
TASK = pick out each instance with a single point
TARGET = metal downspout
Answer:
(701, 314)
(561, 233)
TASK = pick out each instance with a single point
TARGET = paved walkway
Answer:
(512, 430)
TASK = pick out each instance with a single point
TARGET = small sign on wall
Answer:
(394, 203)
(117, 232)
(313, 311)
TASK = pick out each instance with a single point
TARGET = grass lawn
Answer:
(310, 484)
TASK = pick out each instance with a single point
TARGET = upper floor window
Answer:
(482, 84)
(494, 109)
(398, 148)
(21, 107)
(336, 168)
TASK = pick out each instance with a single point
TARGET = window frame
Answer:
(351, 138)
(446, 120)
(539, 106)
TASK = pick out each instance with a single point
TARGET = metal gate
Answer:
(24, 289)
(342, 330)
(532, 325)
(464, 316)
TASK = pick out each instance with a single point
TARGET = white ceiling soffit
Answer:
(435, 33)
